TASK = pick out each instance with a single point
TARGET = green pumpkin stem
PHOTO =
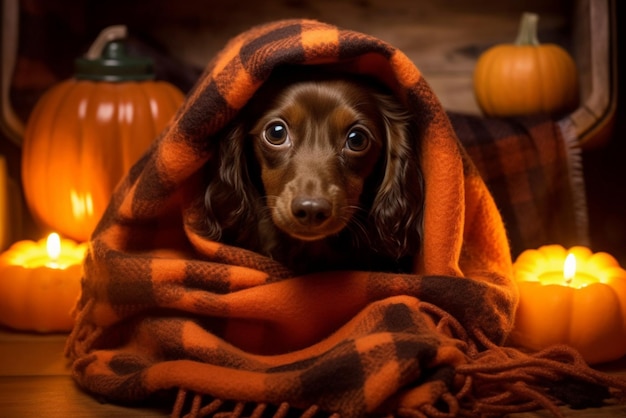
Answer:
(527, 34)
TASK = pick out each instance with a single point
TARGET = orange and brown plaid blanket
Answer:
(534, 173)
(165, 312)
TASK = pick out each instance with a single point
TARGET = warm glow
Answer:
(53, 246)
(581, 292)
(569, 267)
(42, 283)
(82, 205)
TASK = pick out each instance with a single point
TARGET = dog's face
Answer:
(316, 145)
(318, 172)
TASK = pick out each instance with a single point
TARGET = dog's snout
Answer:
(311, 211)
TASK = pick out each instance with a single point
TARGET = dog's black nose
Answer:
(311, 211)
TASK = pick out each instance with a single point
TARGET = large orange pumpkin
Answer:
(86, 132)
(589, 316)
(526, 77)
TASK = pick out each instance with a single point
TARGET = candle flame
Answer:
(569, 268)
(53, 246)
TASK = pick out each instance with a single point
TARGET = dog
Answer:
(319, 172)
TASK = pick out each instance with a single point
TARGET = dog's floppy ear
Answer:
(398, 204)
(230, 197)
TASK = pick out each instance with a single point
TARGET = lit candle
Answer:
(572, 297)
(39, 283)
(51, 253)
(568, 275)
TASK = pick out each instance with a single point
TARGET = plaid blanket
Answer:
(165, 312)
(533, 169)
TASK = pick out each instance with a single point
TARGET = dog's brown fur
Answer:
(319, 174)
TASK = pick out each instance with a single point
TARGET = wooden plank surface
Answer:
(444, 39)
(58, 397)
(35, 382)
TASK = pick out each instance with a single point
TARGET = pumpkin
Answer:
(35, 296)
(526, 77)
(86, 132)
(590, 316)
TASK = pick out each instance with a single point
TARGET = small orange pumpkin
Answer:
(86, 132)
(36, 297)
(526, 77)
(590, 316)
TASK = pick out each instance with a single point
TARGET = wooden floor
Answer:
(35, 382)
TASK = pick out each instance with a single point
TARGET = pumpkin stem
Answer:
(527, 34)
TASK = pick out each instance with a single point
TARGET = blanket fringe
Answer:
(506, 380)
(499, 380)
(80, 340)
(189, 405)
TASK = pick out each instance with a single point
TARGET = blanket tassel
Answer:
(189, 405)
(501, 380)
(528, 380)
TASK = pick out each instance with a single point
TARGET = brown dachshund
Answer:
(319, 173)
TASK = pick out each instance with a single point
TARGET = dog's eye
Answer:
(276, 133)
(357, 140)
